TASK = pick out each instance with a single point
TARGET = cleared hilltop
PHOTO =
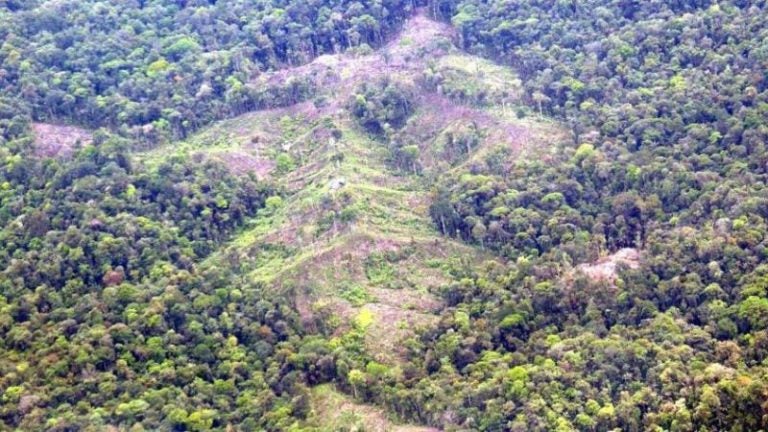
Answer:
(351, 238)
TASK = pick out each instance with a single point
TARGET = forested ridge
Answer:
(169, 67)
(466, 215)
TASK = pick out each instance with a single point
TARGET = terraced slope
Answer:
(351, 239)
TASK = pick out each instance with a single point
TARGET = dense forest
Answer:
(155, 70)
(611, 273)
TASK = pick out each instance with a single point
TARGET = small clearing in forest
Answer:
(335, 411)
(606, 268)
(54, 140)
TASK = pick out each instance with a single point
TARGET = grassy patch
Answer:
(478, 80)
(364, 319)
(355, 294)
(379, 269)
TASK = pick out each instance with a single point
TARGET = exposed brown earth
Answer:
(243, 163)
(606, 269)
(404, 57)
(306, 250)
(55, 140)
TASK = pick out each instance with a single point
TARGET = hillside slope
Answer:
(352, 238)
(346, 215)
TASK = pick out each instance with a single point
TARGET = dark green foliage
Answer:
(15, 120)
(119, 305)
(657, 165)
(382, 107)
(171, 65)
(104, 306)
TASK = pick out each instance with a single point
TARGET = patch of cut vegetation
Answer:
(606, 268)
(402, 58)
(451, 135)
(334, 411)
(473, 80)
(244, 163)
(353, 232)
(57, 140)
(351, 235)
(262, 143)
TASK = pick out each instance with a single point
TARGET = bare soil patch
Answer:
(495, 129)
(407, 299)
(405, 56)
(606, 269)
(243, 163)
(54, 140)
